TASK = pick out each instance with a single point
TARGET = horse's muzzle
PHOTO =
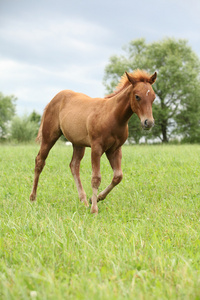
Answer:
(147, 124)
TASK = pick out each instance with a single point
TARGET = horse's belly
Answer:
(75, 131)
(82, 141)
(76, 112)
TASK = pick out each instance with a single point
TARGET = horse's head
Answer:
(142, 97)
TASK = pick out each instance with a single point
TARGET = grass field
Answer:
(144, 244)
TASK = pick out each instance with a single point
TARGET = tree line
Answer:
(13, 127)
(176, 108)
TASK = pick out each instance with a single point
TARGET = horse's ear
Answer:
(153, 78)
(131, 79)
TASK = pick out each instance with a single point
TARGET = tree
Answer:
(7, 111)
(35, 117)
(178, 70)
(188, 119)
(23, 129)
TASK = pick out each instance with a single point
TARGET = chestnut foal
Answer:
(101, 124)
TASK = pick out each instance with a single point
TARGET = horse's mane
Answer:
(138, 76)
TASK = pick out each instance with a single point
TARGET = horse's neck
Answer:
(121, 106)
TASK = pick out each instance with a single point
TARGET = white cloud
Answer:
(53, 40)
(38, 61)
(35, 86)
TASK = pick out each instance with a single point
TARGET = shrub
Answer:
(23, 129)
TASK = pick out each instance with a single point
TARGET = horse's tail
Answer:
(39, 135)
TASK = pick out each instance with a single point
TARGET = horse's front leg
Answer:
(78, 153)
(96, 177)
(115, 162)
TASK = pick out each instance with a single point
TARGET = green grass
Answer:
(144, 244)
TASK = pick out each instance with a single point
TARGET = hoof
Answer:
(32, 198)
(86, 203)
(94, 211)
(101, 197)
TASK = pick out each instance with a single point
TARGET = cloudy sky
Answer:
(47, 46)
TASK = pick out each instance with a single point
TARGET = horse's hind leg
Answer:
(40, 162)
(78, 154)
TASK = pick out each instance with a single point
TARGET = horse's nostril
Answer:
(146, 123)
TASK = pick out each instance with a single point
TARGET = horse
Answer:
(98, 123)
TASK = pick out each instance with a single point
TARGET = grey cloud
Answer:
(46, 46)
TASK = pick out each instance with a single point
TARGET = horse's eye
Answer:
(137, 97)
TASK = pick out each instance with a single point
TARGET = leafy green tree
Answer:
(23, 129)
(35, 117)
(7, 111)
(178, 70)
(188, 119)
